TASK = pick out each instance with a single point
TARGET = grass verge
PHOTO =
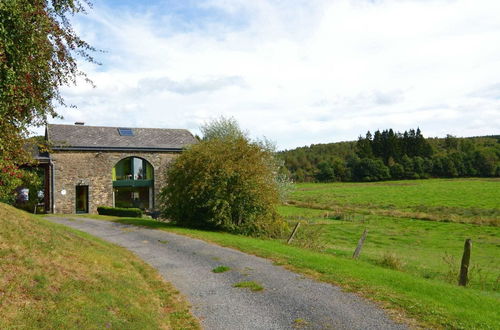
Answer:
(53, 277)
(430, 302)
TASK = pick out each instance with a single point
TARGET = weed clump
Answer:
(221, 269)
(390, 260)
(300, 323)
(254, 286)
(310, 236)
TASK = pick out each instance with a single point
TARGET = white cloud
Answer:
(298, 72)
(151, 85)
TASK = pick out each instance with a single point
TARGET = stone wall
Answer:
(94, 169)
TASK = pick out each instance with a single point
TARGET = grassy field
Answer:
(52, 277)
(463, 208)
(451, 200)
(426, 249)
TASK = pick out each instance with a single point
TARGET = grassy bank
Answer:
(450, 200)
(432, 303)
(53, 277)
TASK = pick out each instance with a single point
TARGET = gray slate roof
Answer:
(82, 137)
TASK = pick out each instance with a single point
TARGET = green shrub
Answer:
(225, 183)
(120, 212)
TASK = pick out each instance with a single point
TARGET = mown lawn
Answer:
(53, 277)
(457, 200)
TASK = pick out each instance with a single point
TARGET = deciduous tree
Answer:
(38, 55)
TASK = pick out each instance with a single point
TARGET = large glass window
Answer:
(132, 197)
(133, 168)
(133, 183)
(139, 170)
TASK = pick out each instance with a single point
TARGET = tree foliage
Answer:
(38, 55)
(222, 128)
(392, 155)
(225, 182)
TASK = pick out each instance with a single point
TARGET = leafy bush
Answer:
(225, 183)
(120, 212)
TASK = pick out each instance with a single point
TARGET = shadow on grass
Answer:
(153, 224)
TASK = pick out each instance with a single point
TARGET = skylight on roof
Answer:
(125, 131)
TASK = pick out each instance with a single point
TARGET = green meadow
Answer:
(426, 249)
(449, 200)
(418, 227)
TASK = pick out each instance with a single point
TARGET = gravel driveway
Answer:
(288, 301)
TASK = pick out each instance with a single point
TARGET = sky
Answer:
(298, 72)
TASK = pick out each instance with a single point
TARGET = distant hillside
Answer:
(387, 155)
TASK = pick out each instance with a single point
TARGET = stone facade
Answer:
(94, 169)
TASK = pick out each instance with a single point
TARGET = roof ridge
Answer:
(160, 128)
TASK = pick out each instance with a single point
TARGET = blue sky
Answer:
(297, 72)
(183, 15)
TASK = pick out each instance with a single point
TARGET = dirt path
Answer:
(288, 300)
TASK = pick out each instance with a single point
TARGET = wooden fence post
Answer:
(464, 267)
(293, 233)
(360, 244)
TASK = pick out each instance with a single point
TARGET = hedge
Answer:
(120, 211)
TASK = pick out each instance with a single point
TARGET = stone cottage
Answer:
(91, 166)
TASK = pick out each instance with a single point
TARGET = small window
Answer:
(125, 131)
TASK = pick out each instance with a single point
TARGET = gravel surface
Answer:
(288, 301)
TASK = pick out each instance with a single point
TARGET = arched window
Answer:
(132, 168)
(133, 182)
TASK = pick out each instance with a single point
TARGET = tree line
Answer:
(390, 155)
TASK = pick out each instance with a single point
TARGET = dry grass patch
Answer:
(55, 277)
